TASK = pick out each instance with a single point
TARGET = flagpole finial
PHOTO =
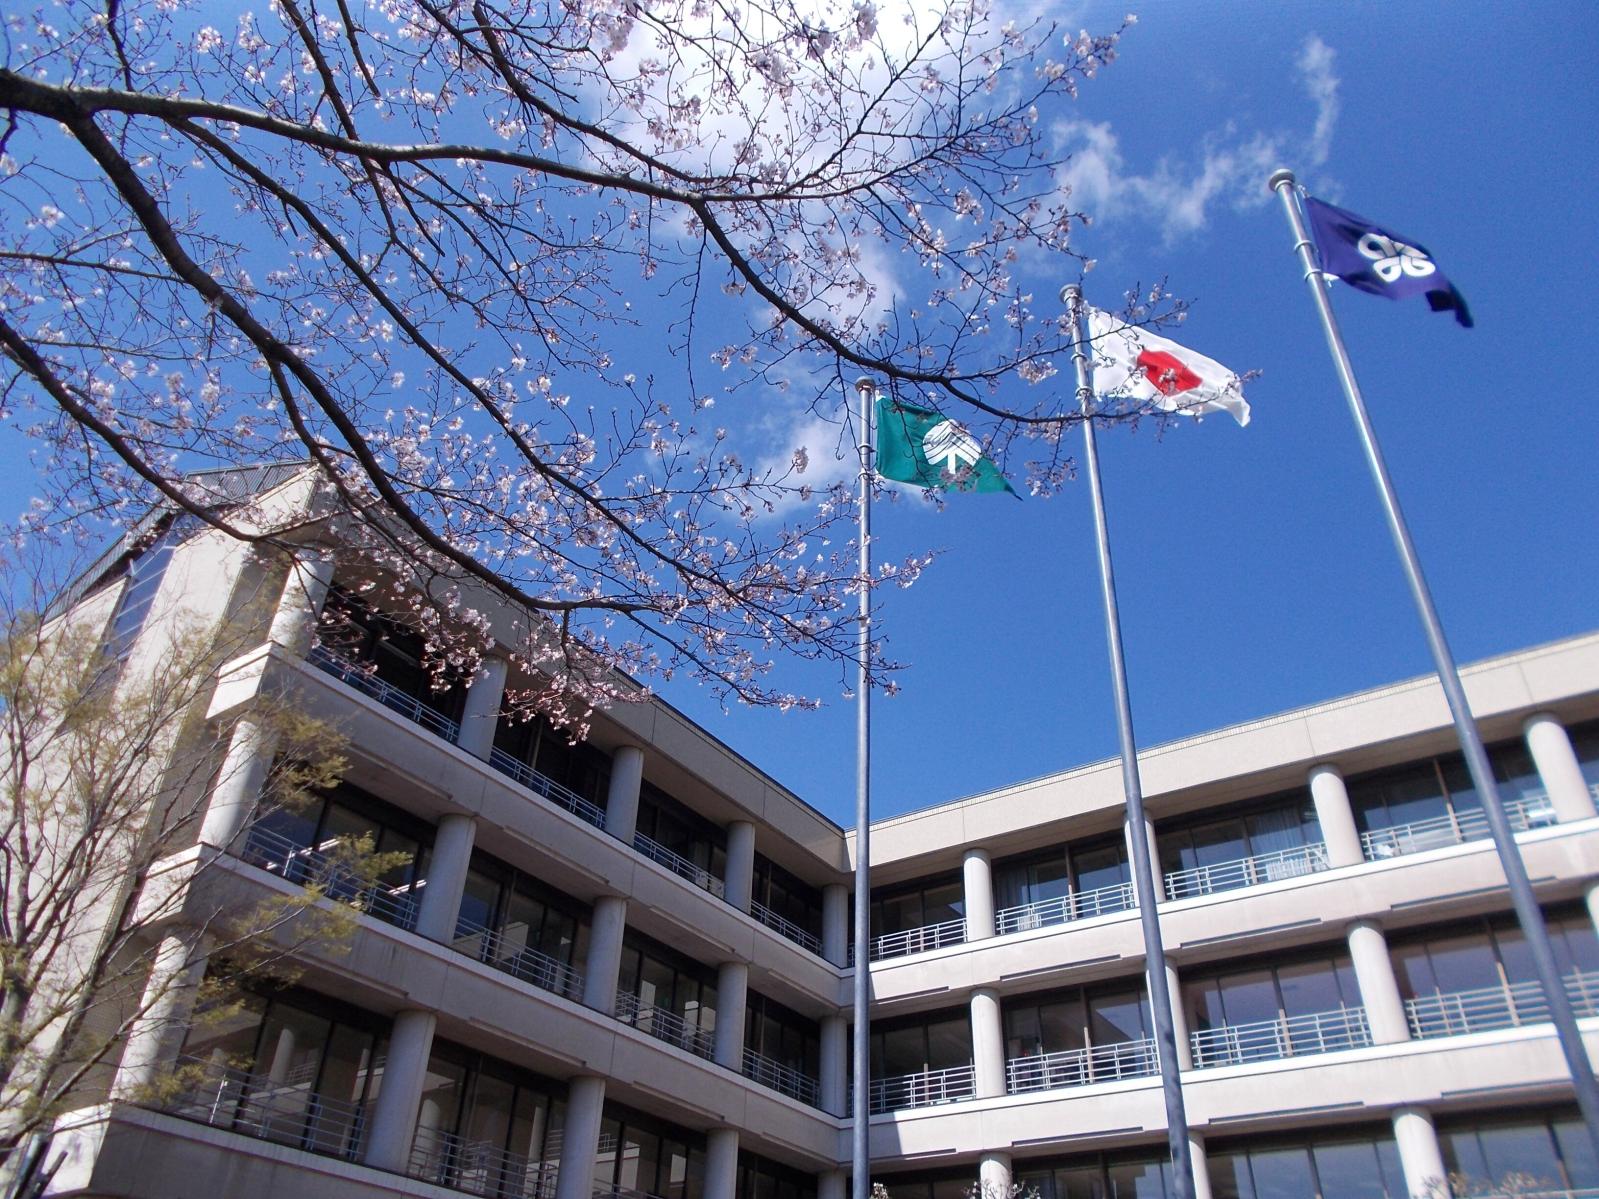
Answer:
(1279, 177)
(865, 385)
(1071, 293)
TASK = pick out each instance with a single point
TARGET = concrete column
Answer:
(721, 1163)
(835, 923)
(993, 1176)
(833, 1085)
(621, 801)
(1179, 1018)
(1558, 767)
(1419, 1155)
(304, 592)
(832, 1184)
(605, 953)
(1154, 857)
(480, 713)
(1379, 989)
(977, 872)
(446, 877)
(157, 1034)
(580, 1143)
(236, 795)
(393, 1123)
(740, 882)
(988, 1044)
(1196, 1153)
(1336, 817)
(732, 996)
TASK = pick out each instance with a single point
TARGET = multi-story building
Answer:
(622, 967)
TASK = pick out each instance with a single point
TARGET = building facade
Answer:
(622, 967)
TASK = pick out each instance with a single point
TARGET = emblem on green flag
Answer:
(927, 449)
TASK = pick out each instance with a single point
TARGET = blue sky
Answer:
(1255, 570)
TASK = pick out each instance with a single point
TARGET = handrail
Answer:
(769, 1073)
(926, 1089)
(665, 1025)
(784, 927)
(584, 809)
(1292, 1036)
(355, 675)
(677, 864)
(479, 1167)
(1533, 810)
(306, 866)
(534, 966)
(1451, 1013)
(266, 1109)
(1080, 1067)
(1248, 872)
(916, 940)
(1079, 905)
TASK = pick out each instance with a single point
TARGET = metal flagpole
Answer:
(1160, 1000)
(1527, 911)
(860, 1187)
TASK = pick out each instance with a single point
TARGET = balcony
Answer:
(285, 1111)
(1079, 905)
(353, 674)
(666, 1026)
(479, 1167)
(780, 1078)
(1449, 1014)
(1286, 1036)
(1080, 1067)
(308, 867)
(786, 928)
(530, 965)
(1247, 872)
(1528, 812)
(679, 865)
(927, 1089)
(584, 809)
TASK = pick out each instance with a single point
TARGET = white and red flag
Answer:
(1131, 363)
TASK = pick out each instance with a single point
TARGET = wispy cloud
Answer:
(1229, 166)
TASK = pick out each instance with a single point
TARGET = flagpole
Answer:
(860, 1187)
(1160, 1000)
(1525, 903)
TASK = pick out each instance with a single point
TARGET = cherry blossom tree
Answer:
(544, 289)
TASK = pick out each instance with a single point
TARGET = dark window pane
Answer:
(1282, 1173)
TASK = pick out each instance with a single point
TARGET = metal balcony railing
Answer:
(915, 940)
(584, 809)
(1079, 1067)
(1079, 905)
(1451, 1013)
(786, 1079)
(288, 1113)
(355, 675)
(1530, 811)
(530, 965)
(679, 865)
(804, 938)
(1291, 1036)
(308, 867)
(922, 1090)
(478, 1167)
(1247, 872)
(666, 1026)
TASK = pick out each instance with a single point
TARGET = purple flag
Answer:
(1371, 258)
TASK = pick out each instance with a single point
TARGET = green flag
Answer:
(927, 449)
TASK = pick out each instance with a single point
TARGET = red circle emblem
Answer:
(1167, 372)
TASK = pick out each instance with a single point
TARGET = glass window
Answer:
(1346, 1164)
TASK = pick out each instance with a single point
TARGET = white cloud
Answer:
(1228, 166)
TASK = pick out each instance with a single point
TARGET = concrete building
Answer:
(622, 967)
